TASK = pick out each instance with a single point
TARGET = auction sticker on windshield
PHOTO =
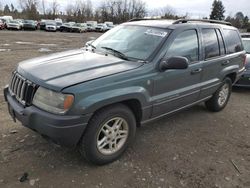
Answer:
(156, 33)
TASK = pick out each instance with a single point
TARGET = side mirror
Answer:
(89, 43)
(173, 63)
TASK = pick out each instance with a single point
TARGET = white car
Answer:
(101, 27)
(50, 26)
(13, 24)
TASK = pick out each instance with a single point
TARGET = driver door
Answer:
(175, 89)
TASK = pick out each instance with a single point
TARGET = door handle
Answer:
(196, 71)
(225, 62)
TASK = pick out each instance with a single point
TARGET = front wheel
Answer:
(220, 97)
(108, 134)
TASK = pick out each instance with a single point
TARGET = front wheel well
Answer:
(133, 104)
(232, 76)
(135, 107)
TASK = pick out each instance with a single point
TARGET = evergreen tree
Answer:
(6, 9)
(12, 7)
(218, 10)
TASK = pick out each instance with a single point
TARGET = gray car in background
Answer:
(245, 78)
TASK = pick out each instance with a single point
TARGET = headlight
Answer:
(51, 101)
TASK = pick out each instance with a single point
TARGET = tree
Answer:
(55, 8)
(29, 8)
(246, 22)
(218, 10)
(12, 7)
(43, 7)
(6, 9)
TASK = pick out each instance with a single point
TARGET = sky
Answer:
(195, 8)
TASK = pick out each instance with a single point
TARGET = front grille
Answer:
(22, 89)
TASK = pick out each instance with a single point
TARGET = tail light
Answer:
(245, 60)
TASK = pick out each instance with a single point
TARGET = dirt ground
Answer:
(193, 148)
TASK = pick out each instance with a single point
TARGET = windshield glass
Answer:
(246, 44)
(137, 42)
(50, 23)
(29, 21)
(13, 21)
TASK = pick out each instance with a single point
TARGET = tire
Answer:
(97, 131)
(220, 98)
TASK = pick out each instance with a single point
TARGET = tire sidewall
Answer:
(90, 138)
(225, 81)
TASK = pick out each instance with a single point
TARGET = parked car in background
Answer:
(245, 78)
(42, 24)
(66, 27)
(245, 35)
(91, 25)
(14, 24)
(4, 21)
(29, 25)
(101, 27)
(109, 25)
(94, 98)
(50, 26)
(58, 25)
(2, 25)
(79, 28)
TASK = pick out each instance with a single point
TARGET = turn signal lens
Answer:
(68, 101)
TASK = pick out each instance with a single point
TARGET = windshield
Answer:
(246, 44)
(50, 23)
(13, 21)
(29, 21)
(77, 25)
(136, 42)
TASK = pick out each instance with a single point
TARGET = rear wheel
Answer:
(220, 97)
(108, 134)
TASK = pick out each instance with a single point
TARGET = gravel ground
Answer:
(193, 148)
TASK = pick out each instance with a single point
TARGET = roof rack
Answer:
(202, 20)
(141, 19)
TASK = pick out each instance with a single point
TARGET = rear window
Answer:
(233, 41)
(211, 43)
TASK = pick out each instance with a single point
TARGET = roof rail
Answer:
(141, 19)
(202, 20)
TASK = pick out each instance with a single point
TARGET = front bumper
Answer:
(62, 129)
(244, 80)
(50, 28)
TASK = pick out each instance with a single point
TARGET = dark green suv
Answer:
(95, 97)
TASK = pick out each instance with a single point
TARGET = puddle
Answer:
(31, 43)
(44, 50)
(5, 50)
(47, 44)
(21, 42)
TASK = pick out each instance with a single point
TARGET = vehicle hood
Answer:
(60, 70)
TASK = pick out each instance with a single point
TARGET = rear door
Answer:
(216, 57)
(174, 89)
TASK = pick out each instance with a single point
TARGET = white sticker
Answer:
(156, 33)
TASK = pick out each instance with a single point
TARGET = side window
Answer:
(233, 41)
(210, 43)
(185, 45)
(221, 42)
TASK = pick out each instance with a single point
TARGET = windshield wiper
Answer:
(92, 46)
(118, 53)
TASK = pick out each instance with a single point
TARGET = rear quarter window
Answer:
(233, 41)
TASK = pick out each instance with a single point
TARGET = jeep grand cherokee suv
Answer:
(95, 97)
